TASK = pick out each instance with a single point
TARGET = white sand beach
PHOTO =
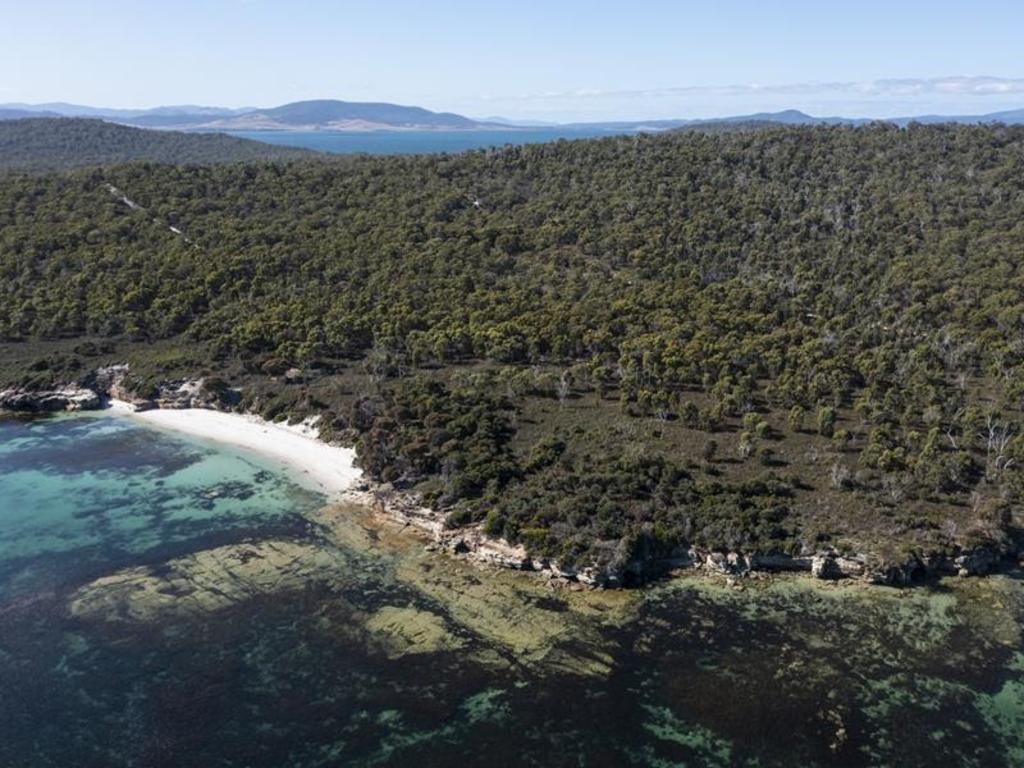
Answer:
(328, 468)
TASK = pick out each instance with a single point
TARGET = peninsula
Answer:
(763, 346)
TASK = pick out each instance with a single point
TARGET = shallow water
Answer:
(167, 602)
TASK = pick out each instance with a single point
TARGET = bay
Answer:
(166, 601)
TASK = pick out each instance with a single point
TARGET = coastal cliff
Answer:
(471, 543)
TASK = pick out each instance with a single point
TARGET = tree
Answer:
(710, 450)
(563, 387)
(796, 418)
(745, 446)
(826, 420)
(690, 414)
(997, 439)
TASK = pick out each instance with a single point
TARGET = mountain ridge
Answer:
(337, 115)
(316, 114)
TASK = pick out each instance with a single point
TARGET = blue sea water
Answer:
(414, 142)
(105, 488)
(400, 656)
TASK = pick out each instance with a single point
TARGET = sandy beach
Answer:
(328, 468)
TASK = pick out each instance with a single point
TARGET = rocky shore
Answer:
(471, 543)
(70, 398)
(106, 384)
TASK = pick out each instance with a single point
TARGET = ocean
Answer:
(166, 601)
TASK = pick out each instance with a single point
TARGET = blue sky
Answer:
(566, 60)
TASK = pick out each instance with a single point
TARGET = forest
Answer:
(52, 144)
(760, 340)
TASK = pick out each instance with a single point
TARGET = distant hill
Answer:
(39, 144)
(785, 117)
(324, 114)
(1010, 117)
(789, 117)
(63, 109)
(794, 117)
(334, 115)
(508, 122)
(345, 115)
(17, 114)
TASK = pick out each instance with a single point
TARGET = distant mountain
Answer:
(795, 117)
(347, 114)
(321, 115)
(63, 109)
(332, 115)
(11, 113)
(786, 117)
(1010, 117)
(170, 120)
(512, 123)
(40, 144)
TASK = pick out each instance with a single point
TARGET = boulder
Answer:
(715, 561)
(781, 562)
(850, 567)
(976, 562)
(70, 398)
(500, 553)
(294, 376)
(737, 563)
(731, 563)
(825, 567)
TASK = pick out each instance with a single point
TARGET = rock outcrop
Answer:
(472, 544)
(977, 562)
(205, 581)
(67, 398)
(111, 383)
(399, 631)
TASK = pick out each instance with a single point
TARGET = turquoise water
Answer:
(414, 142)
(170, 602)
(106, 489)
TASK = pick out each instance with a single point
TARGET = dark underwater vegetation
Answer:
(167, 602)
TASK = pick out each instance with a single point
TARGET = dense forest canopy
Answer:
(48, 144)
(755, 339)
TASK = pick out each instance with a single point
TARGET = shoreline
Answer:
(328, 468)
(186, 407)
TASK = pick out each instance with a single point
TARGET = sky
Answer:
(561, 60)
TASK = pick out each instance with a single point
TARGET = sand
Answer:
(329, 469)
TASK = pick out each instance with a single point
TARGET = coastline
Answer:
(331, 469)
(328, 468)
(190, 407)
